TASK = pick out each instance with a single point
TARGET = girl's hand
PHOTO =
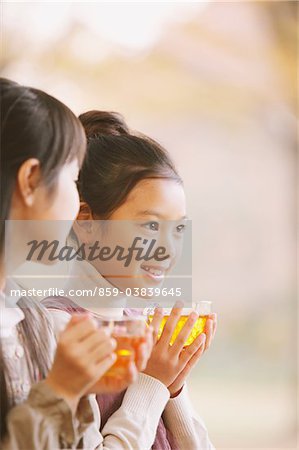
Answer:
(172, 364)
(203, 345)
(166, 361)
(113, 384)
(84, 353)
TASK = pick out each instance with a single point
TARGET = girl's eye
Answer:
(153, 226)
(181, 228)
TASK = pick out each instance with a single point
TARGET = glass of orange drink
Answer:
(129, 333)
(203, 309)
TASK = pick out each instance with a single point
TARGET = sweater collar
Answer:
(84, 276)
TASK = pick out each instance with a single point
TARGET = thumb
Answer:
(78, 317)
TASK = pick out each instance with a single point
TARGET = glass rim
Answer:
(196, 306)
(122, 319)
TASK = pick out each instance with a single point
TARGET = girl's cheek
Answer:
(68, 201)
(74, 202)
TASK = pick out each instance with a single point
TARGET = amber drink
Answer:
(129, 333)
(203, 308)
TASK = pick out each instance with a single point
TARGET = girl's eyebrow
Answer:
(149, 212)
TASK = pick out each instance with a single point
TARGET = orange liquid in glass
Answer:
(197, 329)
(126, 350)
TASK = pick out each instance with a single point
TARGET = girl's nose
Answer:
(168, 242)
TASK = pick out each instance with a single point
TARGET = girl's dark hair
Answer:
(97, 123)
(116, 161)
(33, 125)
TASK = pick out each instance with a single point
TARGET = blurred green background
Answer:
(216, 84)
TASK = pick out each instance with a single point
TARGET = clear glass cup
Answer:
(129, 333)
(203, 308)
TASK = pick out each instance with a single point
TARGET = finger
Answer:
(213, 317)
(188, 352)
(193, 361)
(89, 359)
(98, 343)
(102, 366)
(215, 320)
(171, 324)
(184, 333)
(156, 322)
(77, 317)
(74, 319)
(149, 339)
(131, 373)
(144, 350)
(189, 366)
(79, 330)
(141, 357)
(209, 333)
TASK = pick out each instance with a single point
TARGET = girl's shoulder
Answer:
(61, 309)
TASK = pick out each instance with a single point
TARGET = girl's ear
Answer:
(28, 179)
(84, 212)
(83, 226)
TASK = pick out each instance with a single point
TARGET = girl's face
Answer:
(32, 202)
(154, 210)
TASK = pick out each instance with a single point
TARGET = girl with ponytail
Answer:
(128, 176)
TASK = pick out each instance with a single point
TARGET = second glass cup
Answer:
(129, 333)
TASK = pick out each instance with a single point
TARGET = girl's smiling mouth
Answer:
(156, 273)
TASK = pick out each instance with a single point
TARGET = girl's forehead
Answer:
(160, 198)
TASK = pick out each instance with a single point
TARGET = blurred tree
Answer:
(283, 18)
